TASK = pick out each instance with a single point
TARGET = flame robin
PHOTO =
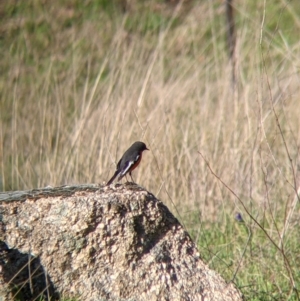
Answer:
(129, 161)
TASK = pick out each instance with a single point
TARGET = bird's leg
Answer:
(131, 176)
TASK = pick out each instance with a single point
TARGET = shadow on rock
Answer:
(23, 276)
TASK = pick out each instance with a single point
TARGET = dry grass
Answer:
(75, 96)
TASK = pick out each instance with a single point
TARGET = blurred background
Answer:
(212, 88)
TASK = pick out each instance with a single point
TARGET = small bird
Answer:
(129, 161)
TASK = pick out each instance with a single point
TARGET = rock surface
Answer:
(100, 243)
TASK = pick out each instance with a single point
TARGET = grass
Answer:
(80, 81)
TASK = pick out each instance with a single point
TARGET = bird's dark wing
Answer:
(127, 166)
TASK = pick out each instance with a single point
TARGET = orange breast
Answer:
(136, 163)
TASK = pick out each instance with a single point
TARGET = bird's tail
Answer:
(113, 177)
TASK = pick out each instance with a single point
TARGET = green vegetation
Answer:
(81, 80)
